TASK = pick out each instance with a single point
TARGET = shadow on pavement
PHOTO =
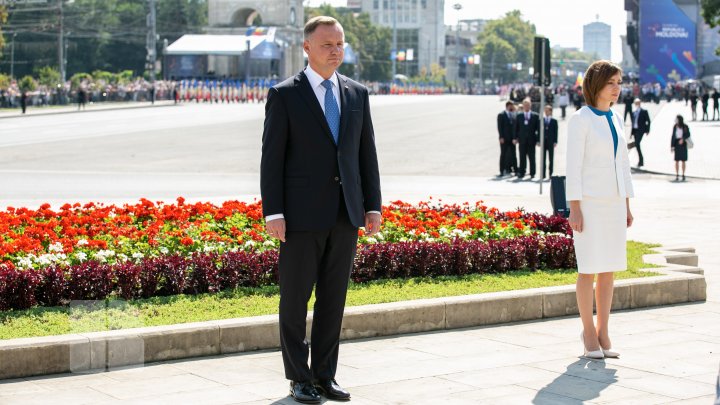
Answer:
(583, 380)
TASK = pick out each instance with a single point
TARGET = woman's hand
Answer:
(681, 141)
(630, 218)
(576, 219)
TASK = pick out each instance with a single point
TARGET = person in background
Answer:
(715, 97)
(705, 100)
(527, 127)
(599, 188)
(23, 101)
(628, 101)
(693, 104)
(563, 101)
(506, 131)
(550, 126)
(678, 145)
(640, 127)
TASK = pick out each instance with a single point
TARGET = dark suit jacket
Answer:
(643, 122)
(302, 170)
(551, 133)
(674, 141)
(506, 126)
(529, 132)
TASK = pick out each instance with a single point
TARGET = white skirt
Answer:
(601, 246)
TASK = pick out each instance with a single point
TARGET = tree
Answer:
(3, 20)
(47, 76)
(507, 40)
(4, 81)
(371, 43)
(27, 83)
(711, 14)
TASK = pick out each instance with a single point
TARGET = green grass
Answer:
(114, 314)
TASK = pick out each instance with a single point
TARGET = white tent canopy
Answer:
(215, 44)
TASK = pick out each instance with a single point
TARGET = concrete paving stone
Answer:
(214, 396)
(708, 361)
(351, 377)
(632, 341)
(182, 341)
(535, 398)
(642, 399)
(238, 375)
(72, 381)
(643, 326)
(496, 359)
(674, 387)
(274, 390)
(391, 355)
(273, 363)
(707, 378)
(492, 308)
(56, 354)
(582, 389)
(482, 394)
(703, 400)
(597, 370)
(142, 372)
(500, 376)
(77, 396)
(468, 347)
(151, 387)
(695, 319)
(20, 386)
(648, 363)
(412, 391)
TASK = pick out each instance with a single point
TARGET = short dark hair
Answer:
(596, 78)
(315, 22)
(509, 103)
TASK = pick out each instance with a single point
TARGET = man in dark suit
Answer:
(640, 127)
(527, 126)
(550, 133)
(506, 131)
(320, 182)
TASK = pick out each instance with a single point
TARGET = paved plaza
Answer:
(444, 147)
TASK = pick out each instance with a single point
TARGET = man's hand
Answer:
(276, 228)
(372, 223)
(502, 141)
(515, 141)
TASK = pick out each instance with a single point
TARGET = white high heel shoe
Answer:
(595, 354)
(609, 353)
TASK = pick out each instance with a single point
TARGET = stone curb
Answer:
(37, 113)
(682, 281)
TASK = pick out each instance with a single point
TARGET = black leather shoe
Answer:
(304, 392)
(331, 390)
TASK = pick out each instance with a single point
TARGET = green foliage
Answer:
(243, 302)
(3, 20)
(507, 40)
(27, 83)
(370, 42)
(4, 81)
(711, 14)
(47, 76)
(100, 34)
(78, 78)
(101, 76)
(435, 75)
(568, 55)
(125, 76)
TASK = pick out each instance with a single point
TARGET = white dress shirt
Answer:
(316, 84)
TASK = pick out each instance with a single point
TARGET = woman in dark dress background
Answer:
(678, 144)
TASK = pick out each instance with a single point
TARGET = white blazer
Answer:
(592, 168)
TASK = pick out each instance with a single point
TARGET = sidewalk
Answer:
(72, 108)
(669, 354)
(702, 160)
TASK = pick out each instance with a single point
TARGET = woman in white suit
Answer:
(599, 189)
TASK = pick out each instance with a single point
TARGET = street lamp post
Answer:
(457, 7)
(394, 42)
(12, 56)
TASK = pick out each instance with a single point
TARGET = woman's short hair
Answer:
(315, 22)
(596, 78)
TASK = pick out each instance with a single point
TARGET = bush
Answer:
(172, 274)
(90, 280)
(17, 288)
(52, 289)
(27, 83)
(204, 276)
(128, 280)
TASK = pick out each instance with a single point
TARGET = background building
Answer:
(245, 39)
(419, 25)
(459, 60)
(596, 39)
(671, 42)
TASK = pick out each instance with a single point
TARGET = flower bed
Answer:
(148, 249)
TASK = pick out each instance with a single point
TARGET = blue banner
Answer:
(667, 43)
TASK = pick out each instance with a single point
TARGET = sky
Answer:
(560, 21)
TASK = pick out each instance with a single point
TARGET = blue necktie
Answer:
(332, 112)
